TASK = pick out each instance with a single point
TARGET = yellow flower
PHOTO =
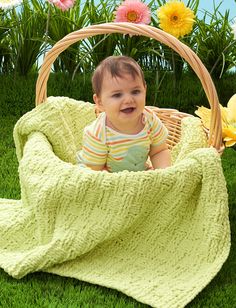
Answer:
(175, 18)
(228, 116)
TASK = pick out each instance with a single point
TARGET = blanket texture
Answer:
(158, 236)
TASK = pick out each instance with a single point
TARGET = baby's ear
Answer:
(98, 102)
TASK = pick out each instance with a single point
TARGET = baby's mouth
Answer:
(128, 110)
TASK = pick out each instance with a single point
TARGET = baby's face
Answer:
(123, 99)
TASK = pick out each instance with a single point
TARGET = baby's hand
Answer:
(160, 156)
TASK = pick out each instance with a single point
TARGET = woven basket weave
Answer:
(170, 117)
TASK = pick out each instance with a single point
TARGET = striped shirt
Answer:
(104, 146)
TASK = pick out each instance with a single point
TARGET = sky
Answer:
(225, 5)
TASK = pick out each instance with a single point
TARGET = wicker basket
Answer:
(170, 117)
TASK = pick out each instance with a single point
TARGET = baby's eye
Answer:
(116, 95)
(135, 92)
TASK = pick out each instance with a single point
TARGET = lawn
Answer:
(47, 290)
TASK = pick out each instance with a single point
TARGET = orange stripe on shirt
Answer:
(124, 141)
(97, 154)
(98, 130)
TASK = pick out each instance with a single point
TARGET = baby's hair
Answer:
(117, 66)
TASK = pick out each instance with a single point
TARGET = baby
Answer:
(126, 132)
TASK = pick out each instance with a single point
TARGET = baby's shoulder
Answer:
(150, 116)
(96, 129)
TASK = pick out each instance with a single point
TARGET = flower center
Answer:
(132, 16)
(174, 18)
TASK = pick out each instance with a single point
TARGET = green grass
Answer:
(46, 290)
(17, 94)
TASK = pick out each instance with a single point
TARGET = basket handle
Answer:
(215, 133)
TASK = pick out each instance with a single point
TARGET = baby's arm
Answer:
(96, 167)
(94, 151)
(160, 156)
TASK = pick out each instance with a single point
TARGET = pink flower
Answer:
(64, 5)
(133, 11)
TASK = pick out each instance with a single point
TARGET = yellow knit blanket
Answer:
(158, 236)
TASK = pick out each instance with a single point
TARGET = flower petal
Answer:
(230, 132)
(231, 116)
(133, 11)
(63, 5)
(224, 115)
(230, 143)
(8, 4)
(175, 18)
(205, 115)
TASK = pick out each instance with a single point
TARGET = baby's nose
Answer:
(129, 99)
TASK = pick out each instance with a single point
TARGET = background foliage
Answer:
(17, 95)
(27, 32)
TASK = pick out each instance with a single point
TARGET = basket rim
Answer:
(215, 131)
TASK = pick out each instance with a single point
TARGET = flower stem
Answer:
(219, 58)
(174, 68)
(46, 30)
